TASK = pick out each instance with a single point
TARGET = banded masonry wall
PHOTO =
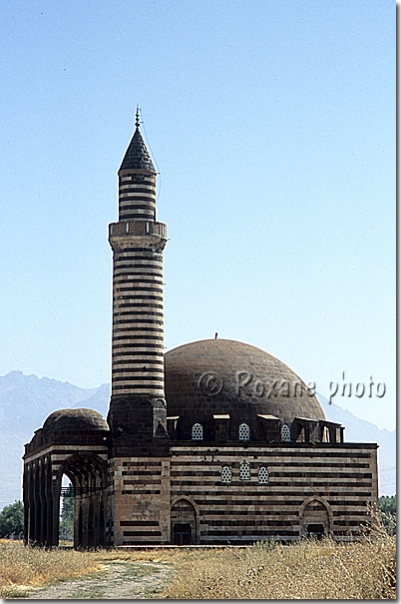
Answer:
(242, 494)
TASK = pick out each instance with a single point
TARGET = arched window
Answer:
(263, 475)
(197, 432)
(244, 433)
(285, 433)
(244, 470)
(226, 474)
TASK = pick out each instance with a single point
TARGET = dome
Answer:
(213, 377)
(75, 420)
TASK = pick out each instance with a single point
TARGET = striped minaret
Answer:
(137, 241)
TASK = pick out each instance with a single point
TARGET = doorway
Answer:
(182, 534)
(315, 530)
(315, 520)
(183, 523)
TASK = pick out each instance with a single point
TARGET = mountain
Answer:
(26, 401)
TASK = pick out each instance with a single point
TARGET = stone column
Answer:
(55, 512)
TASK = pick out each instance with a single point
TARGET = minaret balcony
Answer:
(138, 233)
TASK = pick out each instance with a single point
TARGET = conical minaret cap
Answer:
(137, 156)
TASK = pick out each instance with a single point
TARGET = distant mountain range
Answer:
(26, 401)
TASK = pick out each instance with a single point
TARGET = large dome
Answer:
(75, 420)
(213, 377)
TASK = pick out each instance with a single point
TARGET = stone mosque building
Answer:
(214, 442)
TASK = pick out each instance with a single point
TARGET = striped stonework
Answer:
(329, 485)
(84, 462)
(141, 496)
(137, 241)
(137, 196)
(217, 442)
(138, 344)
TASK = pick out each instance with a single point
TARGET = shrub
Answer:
(12, 519)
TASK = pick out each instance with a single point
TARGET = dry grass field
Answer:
(24, 567)
(305, 570)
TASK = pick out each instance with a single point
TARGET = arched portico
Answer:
(73, 442)
(40, 503)
(87, 473)
(42, 490)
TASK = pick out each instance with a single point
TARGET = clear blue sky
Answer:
(272, 124)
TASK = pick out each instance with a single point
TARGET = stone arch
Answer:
(39, 504)
(82, 459)
(315, 517)
(88, 475)
(184, 517)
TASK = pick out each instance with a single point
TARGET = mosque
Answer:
(213, 442)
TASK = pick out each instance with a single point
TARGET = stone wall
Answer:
(273, 492)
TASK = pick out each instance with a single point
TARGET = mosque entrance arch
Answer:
(183, 523)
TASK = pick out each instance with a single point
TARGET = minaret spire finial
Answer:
(137, 122)
(137, 156)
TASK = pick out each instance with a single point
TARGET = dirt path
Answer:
(116, 581)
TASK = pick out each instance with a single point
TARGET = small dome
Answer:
(75, 420)
(219, 376)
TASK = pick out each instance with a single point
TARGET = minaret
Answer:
(137, 407)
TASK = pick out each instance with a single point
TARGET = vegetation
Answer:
(323, 569)
(12, 519)
(308, 569)
(388, 504)
(67, 515)
(388, 509)
(22, 567)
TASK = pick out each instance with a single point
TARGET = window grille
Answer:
(197, 432)
(244, 470)
(244, 432)
(263, 475)
(226, 474)
(285, 433)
